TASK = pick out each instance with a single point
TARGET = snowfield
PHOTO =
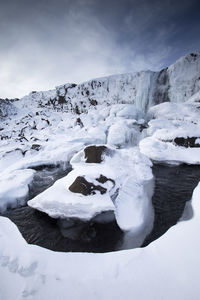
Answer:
(166, 269)
(134, 119)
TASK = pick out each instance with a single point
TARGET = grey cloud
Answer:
(47, 43)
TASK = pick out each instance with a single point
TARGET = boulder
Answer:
(82, 186)
(94, 154)
(103, 179)
(186, 142)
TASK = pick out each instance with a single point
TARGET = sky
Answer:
(45, 43)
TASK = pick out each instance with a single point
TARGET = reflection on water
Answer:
(173, 188)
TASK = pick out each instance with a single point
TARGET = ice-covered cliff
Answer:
(144, 89)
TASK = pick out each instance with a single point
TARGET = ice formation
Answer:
(122, 182)
(14, 188)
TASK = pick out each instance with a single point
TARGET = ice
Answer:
(128, 175)
(123, 134)
(184, 77)
(127, 111)
(9, 157)
(133, 208)
(14, 188)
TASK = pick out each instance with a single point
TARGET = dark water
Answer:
(45, 176)
(173, 188)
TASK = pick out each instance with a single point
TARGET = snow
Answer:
(129, 187)
(123, 134)
(184, 78)
(171, 121)
(166, 152)
(127, 111)
(168, 268)
(14, 188)
(133, 208)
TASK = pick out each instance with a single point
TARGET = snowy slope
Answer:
(167, 269)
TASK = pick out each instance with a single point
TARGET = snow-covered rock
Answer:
(123, 134)
(103, 179)
(7, 108)
(173, 133)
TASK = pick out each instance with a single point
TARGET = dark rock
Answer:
(36, 147)
(82, 186)
(93, 154)
(194, 55)
(79, 122)
(45, 120)
(61, 100)
(143, 126)
(103, 179)
(93, 102)
(77, 111)
(186, 142)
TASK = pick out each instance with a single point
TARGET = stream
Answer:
(174, 186)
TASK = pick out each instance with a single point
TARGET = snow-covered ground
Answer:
(167, 269)
(125, 113)
(173, 134)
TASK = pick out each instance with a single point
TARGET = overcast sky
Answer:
(44, 43)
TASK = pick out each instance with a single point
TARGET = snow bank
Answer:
(173, 134)
(38, 273)
(14, 188)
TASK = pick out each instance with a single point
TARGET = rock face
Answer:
(84, 187)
